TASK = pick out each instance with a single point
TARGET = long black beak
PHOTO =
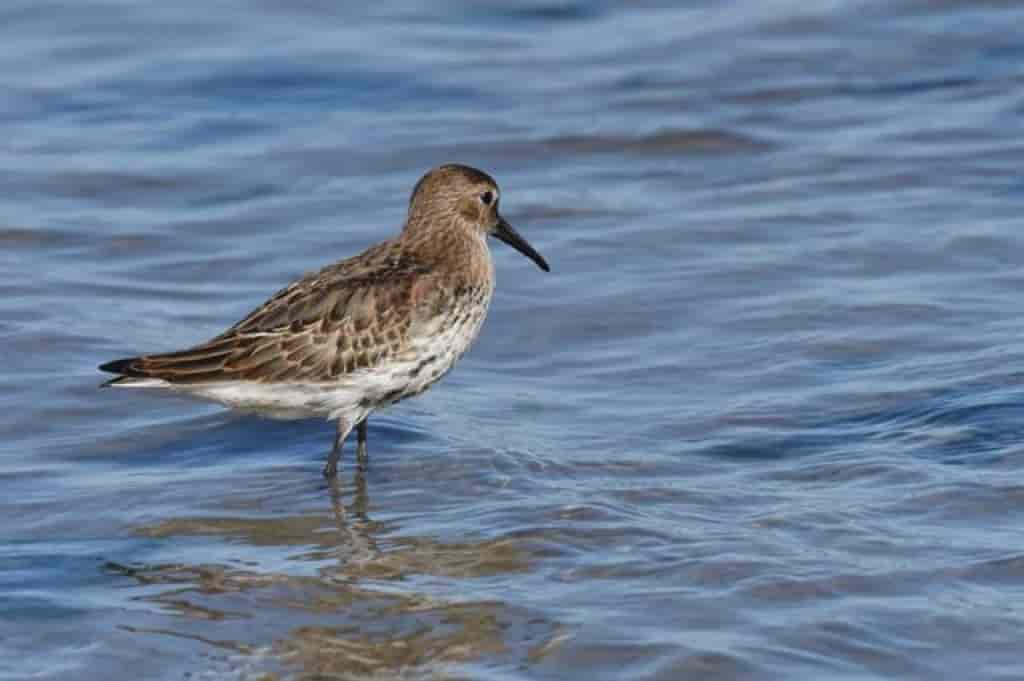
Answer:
(505, 233)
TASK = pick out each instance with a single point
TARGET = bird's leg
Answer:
(331, 469)
(361, 454)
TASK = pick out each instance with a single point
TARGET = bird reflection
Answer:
(356, 545)
(360, 501)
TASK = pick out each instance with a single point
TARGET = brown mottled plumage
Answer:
(362, 333)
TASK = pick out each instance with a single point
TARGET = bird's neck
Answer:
(461, 251)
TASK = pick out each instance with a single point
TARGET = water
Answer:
(764, 420)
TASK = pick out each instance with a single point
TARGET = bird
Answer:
(360, 334)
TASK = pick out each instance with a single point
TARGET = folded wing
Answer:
(347, 317)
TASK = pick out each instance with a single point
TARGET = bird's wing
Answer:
(349, 316)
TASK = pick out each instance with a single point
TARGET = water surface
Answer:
(762, 421)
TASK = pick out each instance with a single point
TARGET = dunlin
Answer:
(360, 334)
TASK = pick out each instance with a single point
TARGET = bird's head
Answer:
(461, 197)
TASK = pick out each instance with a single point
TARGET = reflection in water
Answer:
(356, 545)
(335, 623)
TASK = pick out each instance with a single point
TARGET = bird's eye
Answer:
(487, 198)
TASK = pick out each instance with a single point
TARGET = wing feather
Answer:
(348, 316)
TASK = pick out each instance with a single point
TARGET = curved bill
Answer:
(505, 233)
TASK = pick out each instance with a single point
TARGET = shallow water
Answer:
(764, 420)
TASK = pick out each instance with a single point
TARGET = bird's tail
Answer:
(132, 374)
(195, 365)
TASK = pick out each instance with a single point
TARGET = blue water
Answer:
(763, 420)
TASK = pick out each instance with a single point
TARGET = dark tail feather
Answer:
(125, 367)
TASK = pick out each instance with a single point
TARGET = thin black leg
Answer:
(361, 454)
(331, 469)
